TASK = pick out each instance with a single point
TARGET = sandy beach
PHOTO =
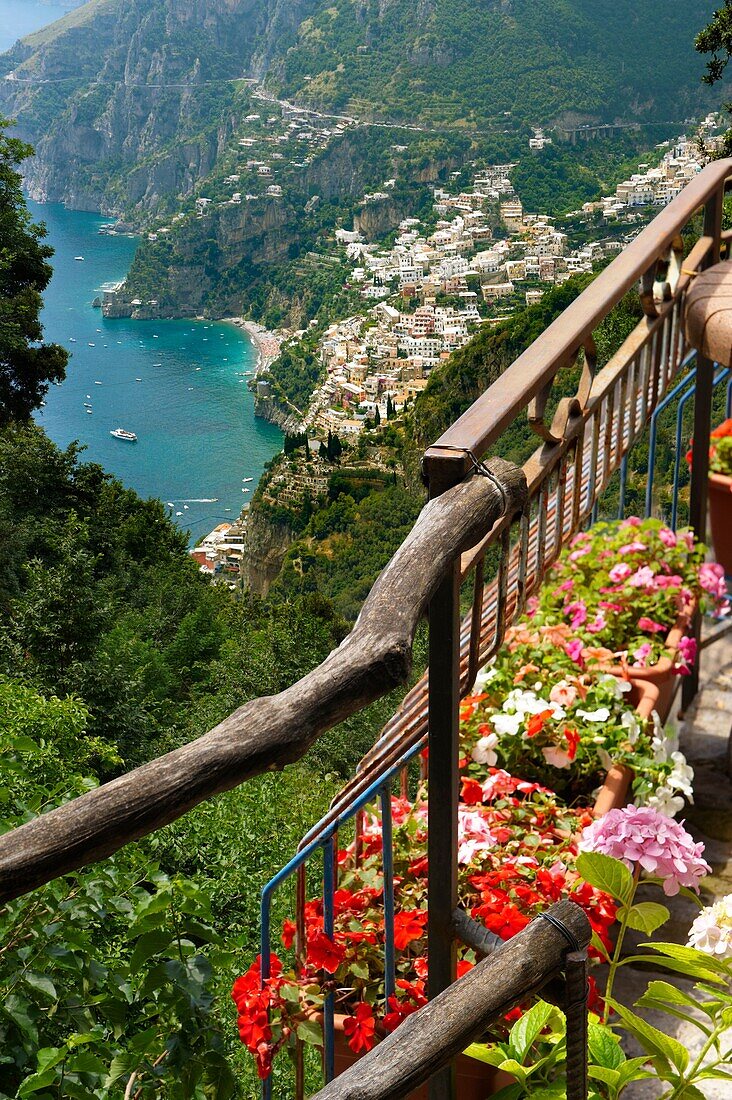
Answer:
(267, 343)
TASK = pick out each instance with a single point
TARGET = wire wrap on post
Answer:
(576, 986)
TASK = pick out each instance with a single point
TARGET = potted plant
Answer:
(627, 591)
(720, 494)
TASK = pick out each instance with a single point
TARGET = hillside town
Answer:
(432, 290)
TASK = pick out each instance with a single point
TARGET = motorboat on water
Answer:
(79, 258)
(121, 433)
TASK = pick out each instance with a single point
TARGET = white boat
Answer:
(96, 383)
(72, 339)
(79, 258)
(120, 433)
(92, 345)
(179, 513)
(89, 411)
(247, 479)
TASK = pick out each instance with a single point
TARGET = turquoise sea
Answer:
(179, 385)
(21, 17)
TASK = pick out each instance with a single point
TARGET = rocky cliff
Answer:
(128, 102)
(265, 546)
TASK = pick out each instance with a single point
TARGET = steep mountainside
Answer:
(129, 102)
(472, 61)
(143, 84)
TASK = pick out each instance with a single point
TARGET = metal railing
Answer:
(587, 441)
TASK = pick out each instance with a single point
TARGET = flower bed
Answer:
(548, 711)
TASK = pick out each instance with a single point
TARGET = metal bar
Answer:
(576, 977)
(387, 845)
(329, 928)
(686, 381)
(475, 621)
(442, 842)
(623, 484)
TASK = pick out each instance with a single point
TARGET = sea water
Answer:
(180, 386)
(21, 17)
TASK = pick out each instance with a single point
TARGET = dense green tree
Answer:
(27, 365)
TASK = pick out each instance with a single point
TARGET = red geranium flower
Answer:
(323, 953)
(471, 792)
(360, 1028)
(289, 930)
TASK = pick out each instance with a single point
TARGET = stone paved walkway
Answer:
(705, 740)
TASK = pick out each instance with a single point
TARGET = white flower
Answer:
(664, 743)
(507, 725)
(605, 759)
(617, 686)
(558, 758)
(524, 702)
(711, 932)
(682, 776)
(483, 751)
(600, 715)
(631, 723)
(665, 802)
(486, 674)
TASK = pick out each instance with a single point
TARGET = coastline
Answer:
(266, 342)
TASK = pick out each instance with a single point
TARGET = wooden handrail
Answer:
(481, 425)
(430, 1038)
(268, 733)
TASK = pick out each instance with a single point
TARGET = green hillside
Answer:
(468, 62)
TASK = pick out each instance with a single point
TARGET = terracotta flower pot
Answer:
(661, 674)
(475, 1080)
(614, 792)
(720, 519)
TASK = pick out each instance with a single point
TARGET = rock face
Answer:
(265, 546)
(128, 102)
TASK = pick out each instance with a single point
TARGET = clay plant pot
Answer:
(475, 1080)
(614, 792)
(720, 519)
(662, 673)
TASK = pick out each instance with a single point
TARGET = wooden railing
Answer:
(528, 515)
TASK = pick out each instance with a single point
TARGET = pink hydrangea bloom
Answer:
(644, 623)
(632, 548)
(632, 521)
(581, 553)
(667, 537)
(641, 836)
(672, 580)
(619, 572)
(711, 578)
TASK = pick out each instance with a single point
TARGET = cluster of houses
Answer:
(431, 290)
(220, 553)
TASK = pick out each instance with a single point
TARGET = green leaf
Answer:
(359, 970)
(653, 1041)
(121, 1065)
(527, 1028)
(633, 1070)
(672, 964)
(310, 1031)
(608, 874)
(510, 1065)
(149, 944)
(694, 959)
(604, 1047)
(48, 1057)
(599, 946)
(485, 1052)
(42, 984)
(603, 1073)
(690, 1092)
(645, 916)
(664, 991)
(36, 1082)
(86, 1062)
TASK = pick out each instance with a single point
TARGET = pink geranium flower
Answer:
(667, 537)
(632, 548)
(644, 623)
(642, 578)
(711, 578)
(687, 654)
(573, 650)
(619, 572)
(577, 613)
(647, 841)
